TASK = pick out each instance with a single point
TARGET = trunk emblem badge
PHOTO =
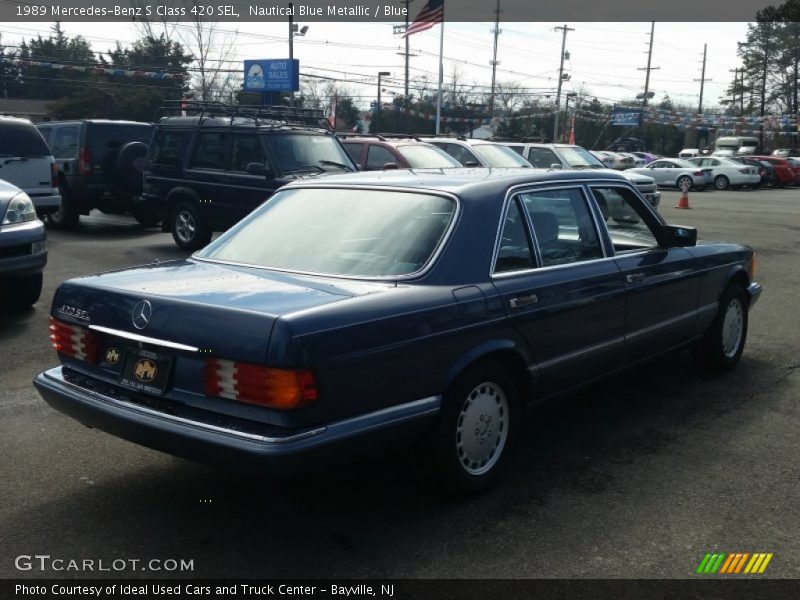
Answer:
(112, 356)
(141, 314)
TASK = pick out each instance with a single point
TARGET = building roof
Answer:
(24, 107)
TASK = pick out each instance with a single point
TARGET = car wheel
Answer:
(146, 218)
(67, 215)
(475, 428)
(26, 291)
(721, 182)
(723, 343)
(684, 180)
(189, 228)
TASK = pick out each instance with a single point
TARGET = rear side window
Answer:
(210, 151)
(378, 156)
(354, 150)
(169, 147)
(65, 142)
(515, 252)
(21, 138)
(563, 226)
(462, 155)
(246, 149)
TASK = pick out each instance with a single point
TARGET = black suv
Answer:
(99, 166)
(214, 164)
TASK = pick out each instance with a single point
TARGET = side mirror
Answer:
(390, 165)
(556, 166)
(677, 236)
(255, 168)
(471, 163)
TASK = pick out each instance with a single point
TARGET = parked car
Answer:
(26, 162)
(794, 164)
(728, 173)
(355, 311)
(637, 161)
(569, 156)
(99, 166)
(687, 153)
(782, 168)
(764, 169)
(207, 170)
(647, 157)
(786, 152)
(676, 172)
(23, 248)
(607, 158)
(479, 153)
(376, 153)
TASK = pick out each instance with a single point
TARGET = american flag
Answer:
(431, 14)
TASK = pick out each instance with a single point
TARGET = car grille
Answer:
(15, 251)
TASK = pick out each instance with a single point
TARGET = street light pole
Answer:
(291, 44)
(378, 105)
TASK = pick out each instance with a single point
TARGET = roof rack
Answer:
(379, 137)
(263, 115)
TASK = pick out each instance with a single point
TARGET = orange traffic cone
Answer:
(684, 200)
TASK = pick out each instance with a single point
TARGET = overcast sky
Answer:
(604, 57)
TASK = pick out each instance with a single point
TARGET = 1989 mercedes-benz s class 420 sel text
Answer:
(378, 306)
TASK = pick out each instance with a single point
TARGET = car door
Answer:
(379, 157)
(661, 283)
(558, 288)
(248, 188)
(206, 172)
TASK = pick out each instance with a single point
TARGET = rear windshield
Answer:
(495, 155)
(107, 137)
(21, 139)
(345, 232)
(423, 157)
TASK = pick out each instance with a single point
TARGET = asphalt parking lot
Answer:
(638, 476)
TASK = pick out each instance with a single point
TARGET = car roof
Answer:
(459, 181)
(99, 121)
(242, 122)
(395, 142)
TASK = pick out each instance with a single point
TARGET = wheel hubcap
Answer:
(184, 226)
(732, 328)
(482, 428)
(721, 183)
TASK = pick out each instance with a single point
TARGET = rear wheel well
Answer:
(515, 366)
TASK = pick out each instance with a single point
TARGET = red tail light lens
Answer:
(53, 175)
(72, 340)
(85, 161)
(256, 384)
(698, 173)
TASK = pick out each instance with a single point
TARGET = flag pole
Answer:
(441, 77)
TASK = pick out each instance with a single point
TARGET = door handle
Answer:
(521, 301)
(634, 277)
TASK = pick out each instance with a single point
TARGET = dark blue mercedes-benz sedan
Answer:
(371, 307)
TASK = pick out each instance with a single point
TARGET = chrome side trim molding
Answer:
(143, 338)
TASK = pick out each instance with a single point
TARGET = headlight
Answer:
(20, 210)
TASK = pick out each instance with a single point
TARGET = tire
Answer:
(27, 291)
(67, 215)
(129, 166)
(721, 182)
(772, 181)
(682, 179)
(147, 219)
(475, 429)
(723, 343)
(189, 228)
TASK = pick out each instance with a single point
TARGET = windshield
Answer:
(297, 152)
(421, 156)
(577, 157)
(495, 155)
(346, 232)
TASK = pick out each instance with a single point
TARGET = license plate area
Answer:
(146, 371)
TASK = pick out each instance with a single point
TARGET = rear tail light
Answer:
(256, 384)
(72, 340)
(53, 175)
(85, 161)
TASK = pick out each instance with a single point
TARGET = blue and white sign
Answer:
(272, 75)
(626, 116)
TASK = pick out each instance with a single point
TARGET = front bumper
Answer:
(23, 248)
(754, 292)
(46, 204)
(213, 438)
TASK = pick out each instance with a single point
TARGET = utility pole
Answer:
(702, 81)
(291, 45)
(564, 31)
(735, 84)
(648, 68)
(494, 62)
(396, 29)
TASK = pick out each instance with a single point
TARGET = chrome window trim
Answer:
(143, 338)
(383, 188)
(513, 192)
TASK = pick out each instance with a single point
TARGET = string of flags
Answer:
(92, 70)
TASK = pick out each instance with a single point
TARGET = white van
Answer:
(738, 145)
(26, 162)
